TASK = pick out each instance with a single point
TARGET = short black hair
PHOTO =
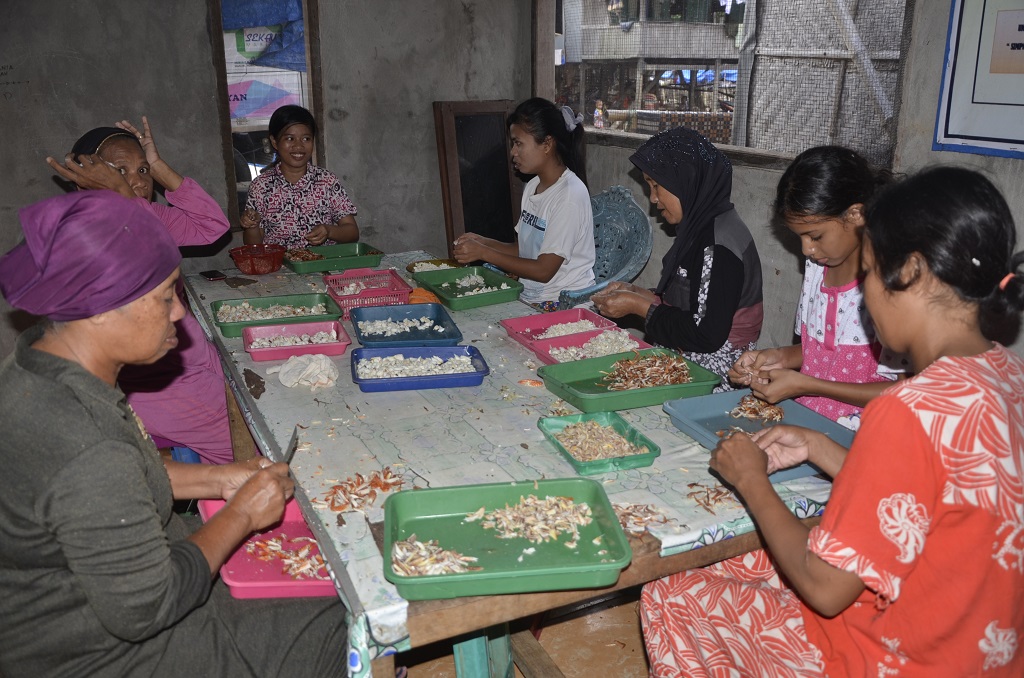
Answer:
(286, 116)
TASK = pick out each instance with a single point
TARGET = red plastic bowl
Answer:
(258, 259)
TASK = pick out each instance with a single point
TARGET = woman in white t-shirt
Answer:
(554, 248)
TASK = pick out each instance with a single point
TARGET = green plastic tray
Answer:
(232, 330)
(439, 514)
(434, 281)
(551, 426)
(579, 383)
(338, 258)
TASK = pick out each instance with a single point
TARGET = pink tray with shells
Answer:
(250, 577)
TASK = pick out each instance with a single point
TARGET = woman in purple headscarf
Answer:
(180, 398)
(98, 575)
(708, 303)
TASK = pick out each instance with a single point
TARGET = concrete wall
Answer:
(384, 63)
(68, 66)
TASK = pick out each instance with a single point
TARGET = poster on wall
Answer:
(255, 91)
(981, 105)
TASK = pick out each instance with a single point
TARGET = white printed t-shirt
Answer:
(559, 221)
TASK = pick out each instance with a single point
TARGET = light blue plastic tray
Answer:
(702, 417)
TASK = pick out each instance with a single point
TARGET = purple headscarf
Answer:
(693, 170)
(85, 253)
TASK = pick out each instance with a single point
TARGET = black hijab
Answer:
(690, 167)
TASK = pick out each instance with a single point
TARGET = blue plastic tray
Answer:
(449, 336)
(426, 382)
(702, 417)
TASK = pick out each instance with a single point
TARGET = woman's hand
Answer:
(145, 138)
(261, 497)
(92, 174)
(234, 475)
(738, 459)
(780, 384)
(469, 247)
(162, 172)
(318, 234)
(250, 219)
(786, 446)
(621, 299)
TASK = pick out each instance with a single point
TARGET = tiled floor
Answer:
(601, 640)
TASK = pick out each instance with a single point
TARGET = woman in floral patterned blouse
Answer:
(294, 203)
(917, 566)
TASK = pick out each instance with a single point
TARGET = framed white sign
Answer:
(981, 104)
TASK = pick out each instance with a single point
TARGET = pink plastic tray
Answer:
(542, 348)
(383, 288)
(285, 352)
(249, 577)
(524, 329)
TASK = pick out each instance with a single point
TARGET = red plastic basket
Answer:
(383, 288)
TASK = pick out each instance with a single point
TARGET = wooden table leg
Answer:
(488, 654)
(383, 667)
(242, 444)
(531, 658)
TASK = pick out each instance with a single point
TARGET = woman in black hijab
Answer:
(708, 301)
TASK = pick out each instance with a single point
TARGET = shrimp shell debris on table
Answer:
(360, 492)
(635, 518)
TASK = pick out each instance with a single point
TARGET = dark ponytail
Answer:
(824, 181)
(543, 119)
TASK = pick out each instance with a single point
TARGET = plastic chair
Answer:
(623, 238)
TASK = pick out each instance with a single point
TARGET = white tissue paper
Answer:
(315, 371)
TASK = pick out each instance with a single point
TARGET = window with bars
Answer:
(772, 75)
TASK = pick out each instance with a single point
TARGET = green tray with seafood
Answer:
(445, 285)
(580, 384)
(552, 426)
(233, 329)
(338, 258)
(514, 565)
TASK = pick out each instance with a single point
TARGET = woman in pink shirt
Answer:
(180, 398)
(838, 366)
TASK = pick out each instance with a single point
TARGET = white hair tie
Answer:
(571, 120)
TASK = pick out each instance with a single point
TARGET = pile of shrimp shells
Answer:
(562, 329)
(606, 343)
(389, 367)
(390, 328)
(421, 266)
(295, 340)
(244, 312)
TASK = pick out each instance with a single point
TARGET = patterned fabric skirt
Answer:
(719, 362)
(546, 306)
(734, 618)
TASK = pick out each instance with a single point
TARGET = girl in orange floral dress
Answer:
(917, 567)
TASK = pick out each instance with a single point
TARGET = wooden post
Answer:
(242, 443)
(544, 49)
